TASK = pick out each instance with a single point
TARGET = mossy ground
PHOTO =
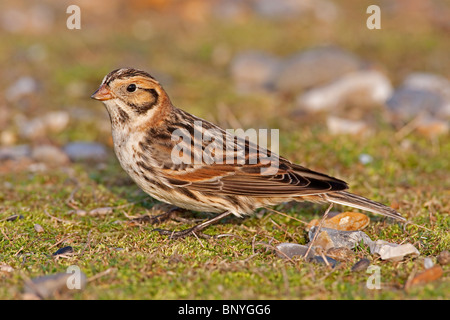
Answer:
(124, 261)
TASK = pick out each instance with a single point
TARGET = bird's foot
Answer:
(195, 230)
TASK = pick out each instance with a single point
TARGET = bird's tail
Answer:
(352, 200)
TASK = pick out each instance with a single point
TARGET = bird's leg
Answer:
(195, 229)
(169, 214)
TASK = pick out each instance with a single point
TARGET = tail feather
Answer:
(352, 200)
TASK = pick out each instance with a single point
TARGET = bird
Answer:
(193, 164)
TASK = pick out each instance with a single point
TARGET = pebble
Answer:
(392, 251)
(428, 263)
(48, 286)
(421, 94)
(15, 152)
(365, 158)
(432, 127)
(432, 83)
(323, 10)
(291, 249)
(279, 8)
(369, 87)
(407, 103)
(101, 211)
(14, 217)
(444, 258)
(337, 125)
(314, 67)
(332, 238)
(252, 71)
(426, 276)
(49, 154)
(38, 228)
(230, 10)
(85, 151)
(6, 268)
(64, 250)
(361, 265)
(341, 254)
(7, 138)
(320, 260)
(346, 221)
(13, 20)
(23, 86)
(38, 127)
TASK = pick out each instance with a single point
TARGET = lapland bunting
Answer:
(158, 145)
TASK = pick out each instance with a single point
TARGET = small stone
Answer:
(432, 83)
(38, 127)
(428, 263)
(407, 103)
(426, 276)
(421, 94)
(323, 241)
(392, 251)
(365, 158)
(337, 125)
(100, 211)
(444, 257)
(49, 154)
(23, 86)
(85, 151)
(341, 254)
(346, 221)
(64, 250)
(291, 249)
(313, 67)
(7, 138)
(320, 260)
(15, 152)
(13, 20)
(253, 70)
(338, 238)
(369, 87)
(78, 212)
(432, 127)
(361, 265)
(56, 121)
(6, 268)
(14, 217)
(323, 10)
(38, 228)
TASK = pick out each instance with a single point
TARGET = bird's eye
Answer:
(131, 88)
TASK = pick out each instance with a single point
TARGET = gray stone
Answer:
(15, 152)
(421, 94)
(49, 154)
(370, 87)
(290, 250)
(315, 67)
(21, 87)
(253, 71)
(85, 151)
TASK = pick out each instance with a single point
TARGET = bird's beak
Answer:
(102, 93)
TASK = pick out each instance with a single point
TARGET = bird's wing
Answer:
(252, 176)
(248, 180)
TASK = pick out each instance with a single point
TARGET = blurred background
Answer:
(370, 106)
(306, 67)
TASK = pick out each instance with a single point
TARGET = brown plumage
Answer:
(157, 145)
